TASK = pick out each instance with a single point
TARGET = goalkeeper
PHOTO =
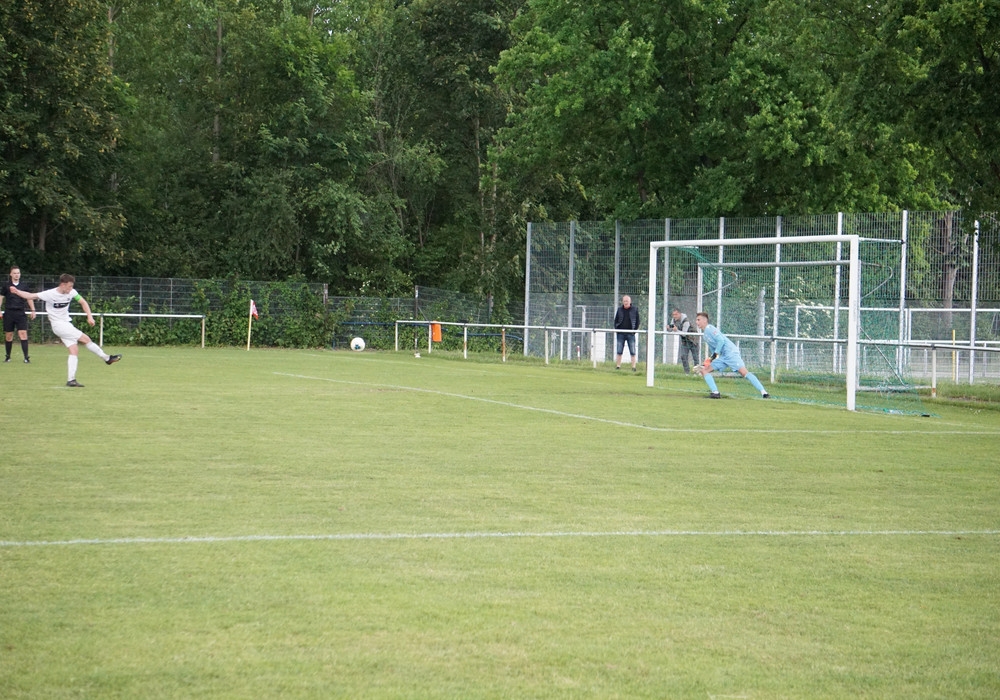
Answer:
(724, 354)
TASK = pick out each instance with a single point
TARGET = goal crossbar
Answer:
(853, 303)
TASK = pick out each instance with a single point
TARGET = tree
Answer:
(401, 167)
(703, 108)
(589, 108)
(435, 109)
(58, 130)
(248, 138)
(949, 52)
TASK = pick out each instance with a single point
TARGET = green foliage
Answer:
(377, 326)
(290, 315)
(949, 53)
(116, 331)
(262, 142)
(60, 111)
(694, 109)
(434, 111)
(165, 331)
(979, 396)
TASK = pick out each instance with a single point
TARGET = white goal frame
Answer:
(853, 300)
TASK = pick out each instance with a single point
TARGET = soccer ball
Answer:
(358, 344)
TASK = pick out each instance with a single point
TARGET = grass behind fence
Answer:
(223, 523)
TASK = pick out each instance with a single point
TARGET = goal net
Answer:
(813, 316)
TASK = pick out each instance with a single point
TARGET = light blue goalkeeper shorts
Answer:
(730, 360)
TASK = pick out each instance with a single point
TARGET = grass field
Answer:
(221, 523)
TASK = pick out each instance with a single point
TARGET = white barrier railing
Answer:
(100, 320)
(959, 354)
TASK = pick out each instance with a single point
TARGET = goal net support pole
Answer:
(853, 303)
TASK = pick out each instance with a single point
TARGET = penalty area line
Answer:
(375, 536)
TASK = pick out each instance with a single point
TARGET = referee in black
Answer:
(14, 317)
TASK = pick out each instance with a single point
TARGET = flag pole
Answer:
(250, 323)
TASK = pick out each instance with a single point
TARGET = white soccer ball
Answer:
(358, 344)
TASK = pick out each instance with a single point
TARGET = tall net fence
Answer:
(929, 277)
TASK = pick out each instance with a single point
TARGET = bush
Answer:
(290, 315)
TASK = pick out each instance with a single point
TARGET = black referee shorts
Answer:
(15, 320)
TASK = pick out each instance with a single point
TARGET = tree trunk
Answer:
(951, 249)
(112, 15)
(217, 122)
(482, 198)
(43, 229)
(949, 269)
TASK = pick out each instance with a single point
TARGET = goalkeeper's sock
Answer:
(710, 380)
(72, 362)
(96, 349)
(752, 378)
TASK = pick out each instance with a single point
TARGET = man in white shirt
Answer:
(57, 301)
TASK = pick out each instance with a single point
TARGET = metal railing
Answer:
(99, 318)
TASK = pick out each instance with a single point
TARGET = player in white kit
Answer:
(57, 301)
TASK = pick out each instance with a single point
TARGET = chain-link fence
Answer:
(150, 303)
(374, 318)
(939, 279)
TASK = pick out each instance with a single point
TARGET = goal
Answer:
(794, 307)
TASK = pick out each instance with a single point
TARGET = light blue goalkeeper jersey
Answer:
(717, 341)
(719, 344)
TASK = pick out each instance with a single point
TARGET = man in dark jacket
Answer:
(682, 325)
(626, 318)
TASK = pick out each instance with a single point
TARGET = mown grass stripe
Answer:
(638, 426)
(500, 535)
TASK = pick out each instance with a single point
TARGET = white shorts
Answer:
(67, 332)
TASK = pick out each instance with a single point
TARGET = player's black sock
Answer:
(10, 344)
(24, 348)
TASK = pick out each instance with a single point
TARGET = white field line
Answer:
(375, 536)
(639, 426)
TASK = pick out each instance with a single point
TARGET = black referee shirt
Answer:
(13, 302)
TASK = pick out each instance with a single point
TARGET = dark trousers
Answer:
(688, 348)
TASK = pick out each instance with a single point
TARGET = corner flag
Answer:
(250, 318)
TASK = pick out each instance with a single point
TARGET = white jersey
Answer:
(57, 303)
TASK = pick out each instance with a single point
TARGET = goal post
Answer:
(851, 369)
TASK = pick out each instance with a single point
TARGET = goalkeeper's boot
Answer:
(715, 395)
(113, 359)
(73, 382)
